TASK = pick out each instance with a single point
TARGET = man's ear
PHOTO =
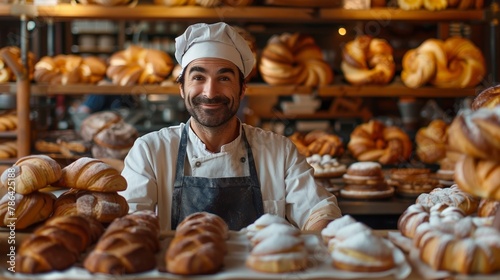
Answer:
(243, 91)
(181, 91)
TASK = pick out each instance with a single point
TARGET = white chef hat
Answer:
(217, 40)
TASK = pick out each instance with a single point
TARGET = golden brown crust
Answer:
(294, 59)
(29, 209)
(431, 141)
(127, 246)
(367, 60)
(478, 177)
(69, 69)
(104, 207)
(198, 246)
(56, 245)
(318, 142)
(31, 173)
(453, 63)
(488, 98)
(93, 175)
(488, 207)
(373, 141)
(138, 65)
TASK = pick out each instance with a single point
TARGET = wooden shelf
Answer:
(384, 16)
(228, 13)
(395, 89)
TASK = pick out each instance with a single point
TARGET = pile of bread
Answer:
(92, 191)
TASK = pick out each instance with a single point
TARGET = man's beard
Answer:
(212, 117)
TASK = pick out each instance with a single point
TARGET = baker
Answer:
(214, 162)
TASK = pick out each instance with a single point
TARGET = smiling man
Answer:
(214, 162)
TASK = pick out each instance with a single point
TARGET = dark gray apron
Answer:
(237, 200)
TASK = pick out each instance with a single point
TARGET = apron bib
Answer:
(237, 200)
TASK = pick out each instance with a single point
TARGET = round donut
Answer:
(373, 141)
(294, 59)
(453, 63)
(367, 60)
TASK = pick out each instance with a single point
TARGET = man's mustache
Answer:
(205, 100)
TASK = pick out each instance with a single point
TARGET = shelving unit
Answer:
(250, 14)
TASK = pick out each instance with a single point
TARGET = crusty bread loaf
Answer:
(93, 175)
(6, 71)
(453, 63)
(29, 209)
(57, 244)
(368, 60)
(198, 246)
(104, 207)
(31, 173)
(318, 142)
(294, 59)
(127, 246)
(479, 177)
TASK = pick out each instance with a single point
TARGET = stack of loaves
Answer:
(21, 184)
(128, 245)
(110, 135)
(198, 246)
(94, 187)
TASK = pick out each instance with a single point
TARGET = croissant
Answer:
(476, 133)
(198, 246)
(373, 141)
(93, 175)
(431, 141)
(29, 209)
(57, 244)
(104, 207)
(31, 173)
(127, 246)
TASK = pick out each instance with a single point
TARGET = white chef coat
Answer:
(286, 181)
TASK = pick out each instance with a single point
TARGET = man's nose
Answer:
(210, 88)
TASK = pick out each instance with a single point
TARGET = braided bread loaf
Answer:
(318, 142)
(92, 175)
(102, 206)
(127, 246)
(479, 177)
(367, 60)
(29, 208)
(31, 173)
(198, 246)
(431, 141)
(373, 141)
(294, 59)
(57, 244)
(69, 69)
(453, 63)
(138, 65)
